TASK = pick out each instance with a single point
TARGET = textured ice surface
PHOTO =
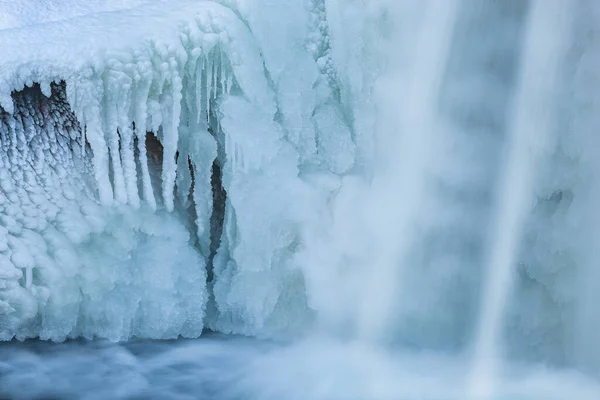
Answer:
(16, 14)
(213, 92)
(71, 267)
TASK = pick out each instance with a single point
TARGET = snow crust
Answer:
(18, 14)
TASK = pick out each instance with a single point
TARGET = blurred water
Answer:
(227, 368)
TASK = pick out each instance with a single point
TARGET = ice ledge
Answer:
(136, 67)
(90, 45)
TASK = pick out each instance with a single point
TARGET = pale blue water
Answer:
(182, 369)
(235, 368)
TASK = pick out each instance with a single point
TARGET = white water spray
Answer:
(405, 147)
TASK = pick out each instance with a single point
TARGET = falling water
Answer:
(531, 124)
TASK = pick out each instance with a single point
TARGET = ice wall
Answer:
(235, 110)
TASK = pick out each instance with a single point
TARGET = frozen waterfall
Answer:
(386, 175)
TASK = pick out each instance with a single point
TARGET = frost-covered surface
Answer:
(193, 74)
(71, 267)
(16, 14)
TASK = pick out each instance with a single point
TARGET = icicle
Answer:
(45, 88)
(169, 141)
(84, 96)
(123, 106)
(202, 152)
(141, 115)
(204, 87)
(208, 85)
(6, 102)
(143, 156)
(189, 112)
(112, 134)
(215, 73)
(199, 90)
(229, 79)
(96, 139)
(184, 179)
(223, 74)
(129, 166)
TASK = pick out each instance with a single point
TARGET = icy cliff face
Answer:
(394, 171)
(105, 235)
(71, 267)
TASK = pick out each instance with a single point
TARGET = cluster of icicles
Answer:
(80, 140)
(58, 135)
(139, 98)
